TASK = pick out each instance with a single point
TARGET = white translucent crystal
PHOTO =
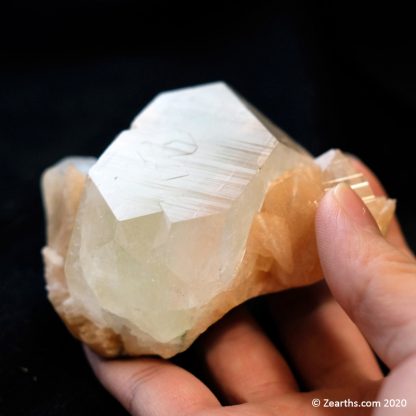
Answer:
(167, 210)
(200, 205)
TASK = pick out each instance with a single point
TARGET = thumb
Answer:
(371, 279)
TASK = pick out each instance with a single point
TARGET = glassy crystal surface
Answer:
(200, 205)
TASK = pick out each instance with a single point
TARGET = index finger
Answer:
(152, 386)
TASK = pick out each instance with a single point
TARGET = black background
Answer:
(73, 74)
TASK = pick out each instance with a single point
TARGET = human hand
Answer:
(371, 296)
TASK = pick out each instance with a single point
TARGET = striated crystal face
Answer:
(164, 222)
(200, 205)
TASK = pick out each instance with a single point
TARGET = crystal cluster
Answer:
(202, 204)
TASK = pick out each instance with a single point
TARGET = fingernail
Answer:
(353, 206)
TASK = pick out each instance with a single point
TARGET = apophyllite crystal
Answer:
(200, 205)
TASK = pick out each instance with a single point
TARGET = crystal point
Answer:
(200, 205)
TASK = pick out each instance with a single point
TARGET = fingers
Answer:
(243, 361)
(399, 389)
(372, 280)
(151, 386)
(325, 346)
(394, 234)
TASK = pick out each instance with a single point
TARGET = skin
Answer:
(329, 332)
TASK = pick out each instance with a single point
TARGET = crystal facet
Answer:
(200, 205)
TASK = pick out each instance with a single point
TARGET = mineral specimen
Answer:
(202, 204)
